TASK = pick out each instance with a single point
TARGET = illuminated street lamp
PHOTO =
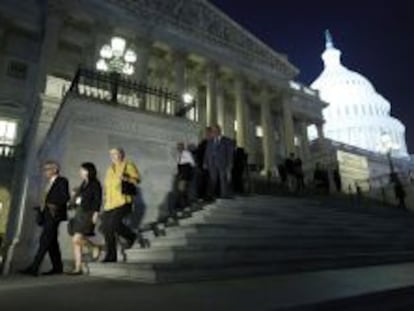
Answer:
(189, 103)
(116, 57)
(188, 98)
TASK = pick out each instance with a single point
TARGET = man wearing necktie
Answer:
(53, 212)
(218, 161)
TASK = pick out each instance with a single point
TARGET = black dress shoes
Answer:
(52, 272)
(108, 260)
(29, 271)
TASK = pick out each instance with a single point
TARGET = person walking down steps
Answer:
(121, 182)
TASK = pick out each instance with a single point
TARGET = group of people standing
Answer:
(119, 189)
(208, 171)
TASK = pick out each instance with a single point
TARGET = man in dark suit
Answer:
(52, 212)
(202, 173)
(218, 160)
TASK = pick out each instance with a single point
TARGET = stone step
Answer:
(176, 272)
(236, 231)
(226, 226)
(325, 205)
(322, 210)
(228, 217)
(282, 243)
(242, 254)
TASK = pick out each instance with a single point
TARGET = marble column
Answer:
(2, 48)
(211, 102)
(179, 76)
(241, 117)
(319, 128)
(221, 109)
(202, 113)
(304, 140)
(143, 50)
(268, 140)
(288, 126)
(281, 134)
(20, 229)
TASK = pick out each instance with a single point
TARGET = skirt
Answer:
(82, 223)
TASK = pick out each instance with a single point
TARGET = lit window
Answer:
(8, 132)
(297, 141)
(259, 131)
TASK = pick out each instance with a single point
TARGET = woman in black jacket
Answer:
(88, 201)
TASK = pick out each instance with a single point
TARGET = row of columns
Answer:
(212, 106)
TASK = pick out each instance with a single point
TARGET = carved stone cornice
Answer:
(205, 22)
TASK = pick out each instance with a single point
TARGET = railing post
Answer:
(75, 83)
(114, 81)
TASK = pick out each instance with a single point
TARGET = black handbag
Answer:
(128, 188)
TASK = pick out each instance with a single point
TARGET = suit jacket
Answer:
(219, 154)
(201, 152)
(91, 195)
(58, 195)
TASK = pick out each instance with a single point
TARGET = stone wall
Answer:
(85, 130)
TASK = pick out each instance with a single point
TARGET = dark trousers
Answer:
(49, 243)
(202, 183)
(182, 192)
(218, 183)
(113, 225)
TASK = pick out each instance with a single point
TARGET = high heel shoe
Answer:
(96, 253)
(74, 272)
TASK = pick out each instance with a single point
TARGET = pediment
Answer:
(204, 20)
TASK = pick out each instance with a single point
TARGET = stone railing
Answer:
(114, 88)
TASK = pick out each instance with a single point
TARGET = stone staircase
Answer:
(268, 235)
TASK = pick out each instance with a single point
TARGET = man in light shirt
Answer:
(185, 170)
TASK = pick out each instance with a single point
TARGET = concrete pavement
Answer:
(64, 293)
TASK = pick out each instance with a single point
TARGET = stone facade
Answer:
(189, 45)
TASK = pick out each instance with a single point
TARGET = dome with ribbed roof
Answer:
(357, 115)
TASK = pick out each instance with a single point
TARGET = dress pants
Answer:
(218, 181)
(113, 225)
(49, 244)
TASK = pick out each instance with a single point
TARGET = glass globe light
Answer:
(118, 46)
(128, 69)
(106, 52)
(130, 56)
(188, 98)
(101, 65)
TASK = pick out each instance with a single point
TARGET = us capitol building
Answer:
(50, 109)
(357, 115)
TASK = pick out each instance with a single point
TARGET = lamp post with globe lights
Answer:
(118, 60)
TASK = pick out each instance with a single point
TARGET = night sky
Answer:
(376, 38)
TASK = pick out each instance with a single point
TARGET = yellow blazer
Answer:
(113, 180)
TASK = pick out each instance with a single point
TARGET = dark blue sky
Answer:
(376, 39)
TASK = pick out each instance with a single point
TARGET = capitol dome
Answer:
(357, 115)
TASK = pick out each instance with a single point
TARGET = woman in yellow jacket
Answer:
(118, 202)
